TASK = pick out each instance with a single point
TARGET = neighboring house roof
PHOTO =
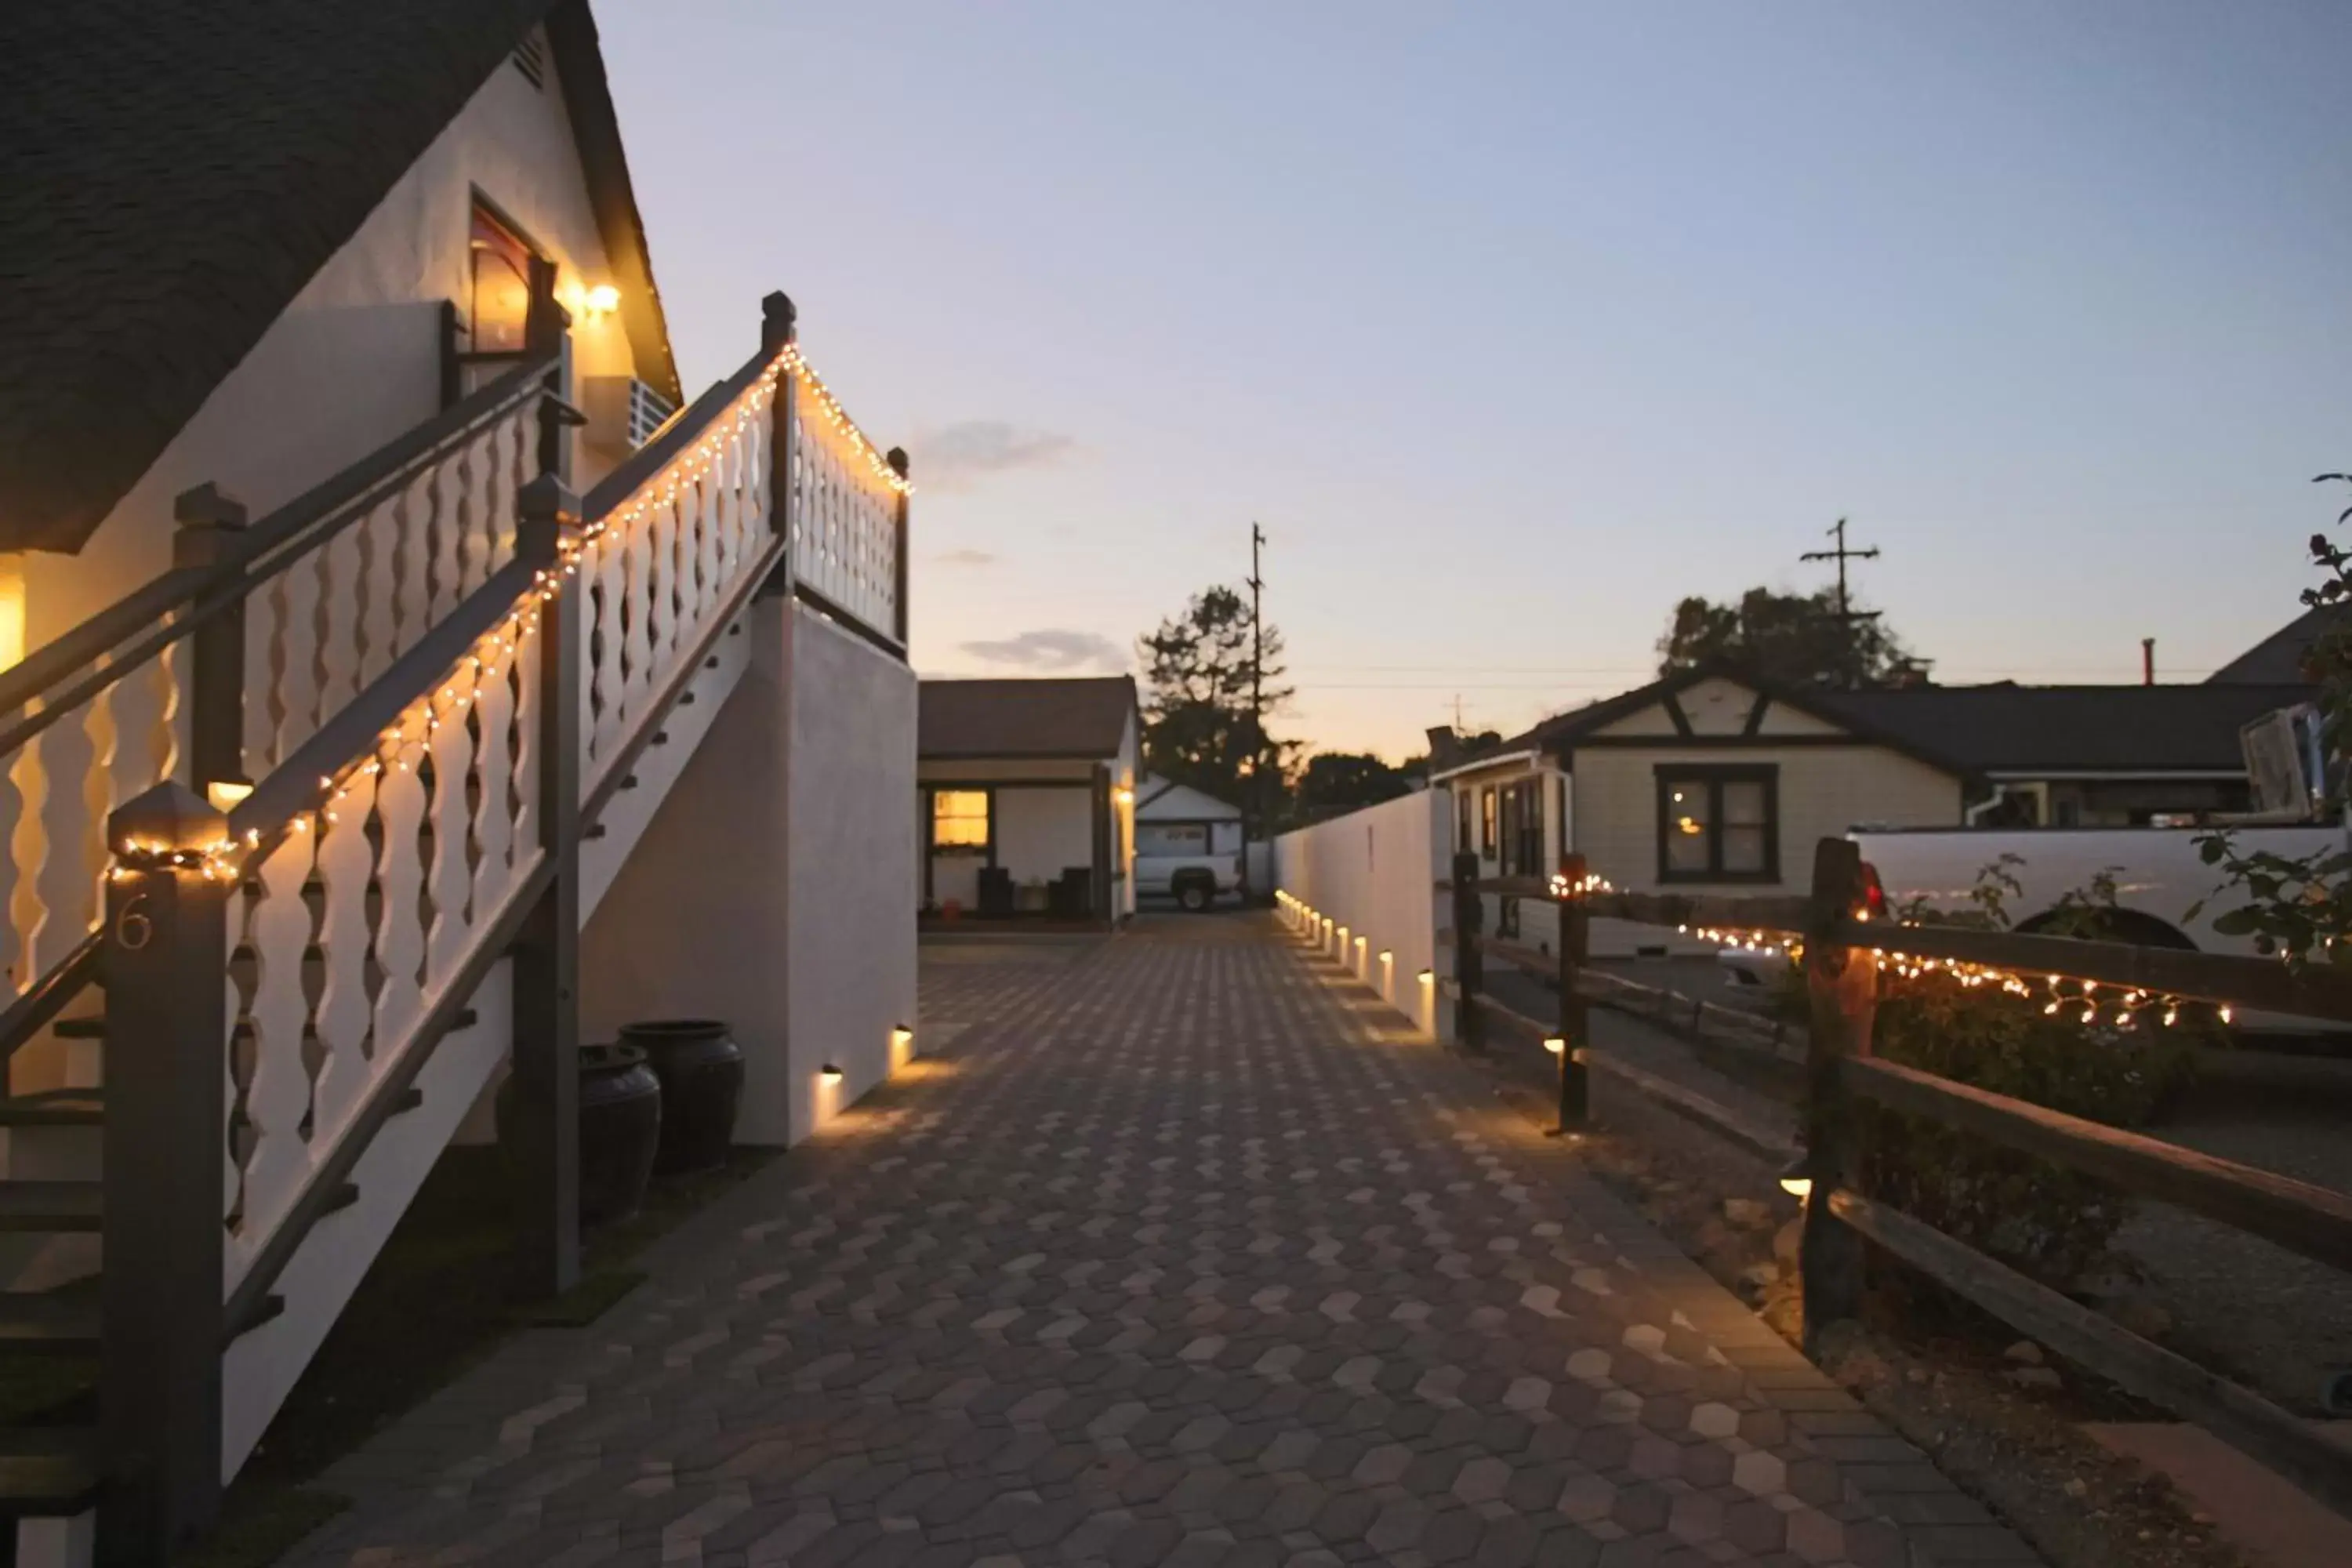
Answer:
(2011, 729)
(1165, 800)
(2277, 660)
(172, 177)
(1974, 730)
(1021, 718)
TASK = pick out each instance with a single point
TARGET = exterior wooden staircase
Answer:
(316, 819)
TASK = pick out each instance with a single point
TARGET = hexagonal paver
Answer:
(1177, 1260)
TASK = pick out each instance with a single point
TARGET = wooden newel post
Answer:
(1842, 984)
(167, 917)
(778, 330)
(897, 457)
(1469, 960)
(545, 1124)
(1575, 947)
(210, 524)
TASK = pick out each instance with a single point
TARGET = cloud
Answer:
(965, 558)
(957, 457)
(1053, 652)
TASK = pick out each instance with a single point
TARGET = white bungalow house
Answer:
(1718, 779)
(1026, 799)
(395, 682)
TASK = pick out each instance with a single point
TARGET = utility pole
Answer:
(1846, 613)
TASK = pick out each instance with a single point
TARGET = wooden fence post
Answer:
(166, 957)
(545, 1127)
(1575, 939)
(1843, 985)
(210, 522)
(1469, 962)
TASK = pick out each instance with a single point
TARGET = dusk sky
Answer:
(1513, 324)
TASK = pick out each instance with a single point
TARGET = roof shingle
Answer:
(171, 178)
(1024, 717)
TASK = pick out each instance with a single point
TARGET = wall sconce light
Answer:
(601, 300)
(829, 1073)
(1797, 1180)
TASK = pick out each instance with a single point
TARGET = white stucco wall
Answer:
(1374, 871)
(355, 360)
(1041, 833)
(770, 889)
(853, 854)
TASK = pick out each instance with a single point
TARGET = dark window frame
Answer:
(1465, 835)
(1712, 777)
(1489, 822)
(1522, 841)
(985, 850)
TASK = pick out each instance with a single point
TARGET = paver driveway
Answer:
(1178, 1255)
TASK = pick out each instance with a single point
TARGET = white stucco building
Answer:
(401, 678)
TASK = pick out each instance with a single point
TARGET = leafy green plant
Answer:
(2300, 907)
(2043, 1219)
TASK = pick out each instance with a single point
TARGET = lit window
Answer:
(959, 819)
(1718, 825)
(499, 304)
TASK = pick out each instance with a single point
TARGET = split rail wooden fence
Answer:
(1846, 938)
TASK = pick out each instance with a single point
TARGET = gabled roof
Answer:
(173, 175)
(2011, 729)
(1078, 718)
(1165, 800)
(1974, 730)
(2277, 660)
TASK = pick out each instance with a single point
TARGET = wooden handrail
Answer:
(175, 603)
(299, 785)
(2238, 1417)
(1765, 913)
(2312, 1220)
(679, 431)
(2321, 991)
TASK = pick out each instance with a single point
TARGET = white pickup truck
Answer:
(2158, 873)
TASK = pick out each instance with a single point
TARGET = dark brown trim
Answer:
(1713, 776)
(135, 627)
(1006, 784)
(1672, 704)
(48, 995)
(1088, 756)
(1756, 711)
(846, 620)
(1741, 743)
(579, 62)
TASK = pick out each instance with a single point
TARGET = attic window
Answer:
(499, 284)
(530, 59)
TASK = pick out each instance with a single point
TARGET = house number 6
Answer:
(133, 931)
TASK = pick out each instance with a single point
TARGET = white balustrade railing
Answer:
(843, 507)
(663, 560)
(317, 629)
(358, 921)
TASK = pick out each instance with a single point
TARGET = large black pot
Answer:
(701, 1073)
(620, 1126)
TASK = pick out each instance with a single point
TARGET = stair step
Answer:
(686, 700)
(55, 1206)
(593, 830)
(55, 1108)
(91, 1028)
(628, 780)
(411, 1098)
(47, 1470)
(343, 1197)
(711, 663)
(48, 1320)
